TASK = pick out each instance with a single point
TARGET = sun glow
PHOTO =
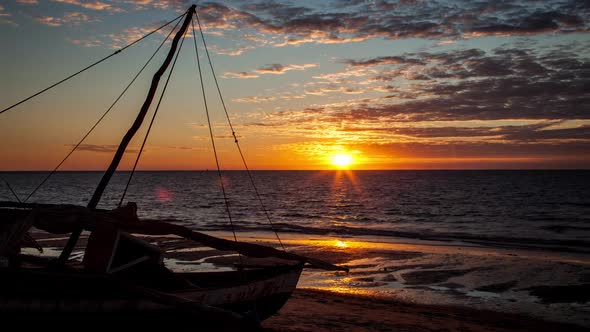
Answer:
(340, 244)
(342, 160)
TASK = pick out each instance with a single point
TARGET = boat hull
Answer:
(254, 294)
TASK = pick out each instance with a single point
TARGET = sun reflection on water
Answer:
(347, 290)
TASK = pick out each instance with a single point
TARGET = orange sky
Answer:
(302, 84)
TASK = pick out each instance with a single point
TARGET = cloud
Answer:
(143, 4)
(489, 130)
(93, 5)
(384, 60)
(279, 69)
(4, 16)
(357, 21)
(234, 51)
(253, 99)
(111, 148)
(343, 76)
(2, 13)
(86, 42)
(105, 148)
(28, 2)
(535, 23)
(503, 83)
(581, 133)
(272, 23)
(487, 154)
(118, 40)
(71, 19)
(331, 89)
(458, 142)
(277, 24)
(506, 98)
(489, 98)
(292, 96)
(167, 4)
(239, 74)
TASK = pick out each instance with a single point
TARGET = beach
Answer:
(310, 310)
(456, 250)
(412, 285)
(339, 165)
(438, 286)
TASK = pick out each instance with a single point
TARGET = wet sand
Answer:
(312, 310)
(419, 286)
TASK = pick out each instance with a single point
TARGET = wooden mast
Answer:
(130, 133)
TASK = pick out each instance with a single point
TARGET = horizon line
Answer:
(310, 170)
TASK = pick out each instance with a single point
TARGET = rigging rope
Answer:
(225, 199)
(152, 121)
(234, 134)
(11, 190)
(104, 114)
(92, 65)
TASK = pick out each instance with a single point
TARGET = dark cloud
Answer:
(537, 132)
(279, 11)
(360, 20)
(575, 153)
(277, 68)
(493, 99)
(544, 87)
(504, 84)
(239, 74)
(578, 133)
(454, 57)
(272, 68)
(384, 60)
(537, 23)
(100, 148)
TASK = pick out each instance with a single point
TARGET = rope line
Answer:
(225, 199)
(10, 188)
(152, 121)
(90, 66)
(257, 193)
(104, 114)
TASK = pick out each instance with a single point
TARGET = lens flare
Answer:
(163, 194)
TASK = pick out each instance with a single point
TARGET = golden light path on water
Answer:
(362, 245)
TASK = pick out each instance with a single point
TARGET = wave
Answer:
(581, 246)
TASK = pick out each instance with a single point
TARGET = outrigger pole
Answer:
(65, 254)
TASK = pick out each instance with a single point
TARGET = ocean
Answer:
(511, 241)
(548, 209)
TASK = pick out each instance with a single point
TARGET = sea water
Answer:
(478, 239)
(510, 208)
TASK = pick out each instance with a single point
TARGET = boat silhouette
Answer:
(123, 273)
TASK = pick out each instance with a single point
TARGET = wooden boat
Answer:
(234, 298)
(121, 272)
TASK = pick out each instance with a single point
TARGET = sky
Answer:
(403, 84)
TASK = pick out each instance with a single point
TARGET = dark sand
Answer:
(427, 287)
(312, 310)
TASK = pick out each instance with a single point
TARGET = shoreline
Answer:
(539, 284)
(314, 310)
(432, 238)
(412, 278)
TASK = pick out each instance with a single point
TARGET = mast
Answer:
(130, 133)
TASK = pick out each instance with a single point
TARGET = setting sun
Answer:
(342, 160)
(340, 244)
